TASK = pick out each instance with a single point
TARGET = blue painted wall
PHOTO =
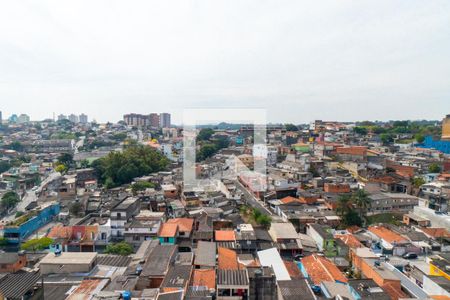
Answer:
(443, 146)
(15, 234)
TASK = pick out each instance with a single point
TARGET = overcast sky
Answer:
(331, 60)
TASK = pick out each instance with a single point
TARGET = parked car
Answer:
(410, 255)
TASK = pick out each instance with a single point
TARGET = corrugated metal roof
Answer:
(232, 277)
(10, 287)
(113, 260)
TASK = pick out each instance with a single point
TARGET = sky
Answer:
(298, 60)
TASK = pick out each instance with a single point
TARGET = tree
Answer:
(4, 166)
(84, 164)
(118, 168)
(418, 181)
(61, 168)
(65, 159)
(420, 138)
(344, 205)
(206, 150)
(360, 130)
(434, 168)
(362, 201)
(76, 208)
(121, 248)
(17, 146)
(351, 218)
(290, 127)
(10, 199)
(205, 134)
(37, 244)
(386, 138)
(264, 220)
(141, 186)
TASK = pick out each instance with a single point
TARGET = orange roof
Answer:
(184, 224)
(60, 232)
(289, 199)
(204, 277)
(168, 230)
(384, 179)
(436, 232)
(350, 240)
(321, 269)
(225, 236)
(227, 259)
(353, 150)
(393, 291)
(293, 269)
(386, 234)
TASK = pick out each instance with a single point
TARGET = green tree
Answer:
(360, 130)
(417, 181)
(141, 186)
(420, 138)
(76, 209)
(121, 248)
(351, 218)
(386, 138)
(434, 168)
(205, 134)
(290, 127)
(362, 201)
(344, 205)
(16, 145)
(206, 150)
(61, 168)
(4, 166)
(65, 159)
(264, 220)
(37, 244)
(10, 199)
(118, 168)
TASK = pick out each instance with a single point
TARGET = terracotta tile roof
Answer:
(321, 269)
(289, 199)
(225, 236)
(354, 150)
(293, 269)
(386, 234)
(227, 259)
(350, 240)
(384, 179)
(204, 277)
(168, 230)
(436, 232)
(184, 224)
(393, 291)
(60, 232)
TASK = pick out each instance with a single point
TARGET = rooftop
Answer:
(69, 258)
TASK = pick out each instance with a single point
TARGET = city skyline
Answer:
(383, 60)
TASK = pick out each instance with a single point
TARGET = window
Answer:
(136, 238)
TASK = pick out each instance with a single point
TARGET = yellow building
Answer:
(438, 266)
(446, 128)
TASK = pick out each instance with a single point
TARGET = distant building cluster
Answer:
(153, 120)
(83, 119)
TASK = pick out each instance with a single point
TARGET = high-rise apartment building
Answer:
(62, 117)
(1, 117)
(83, 119)
(137, 120)
(154, 120)
(164, 120)
(73, 118)
(23, 118)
